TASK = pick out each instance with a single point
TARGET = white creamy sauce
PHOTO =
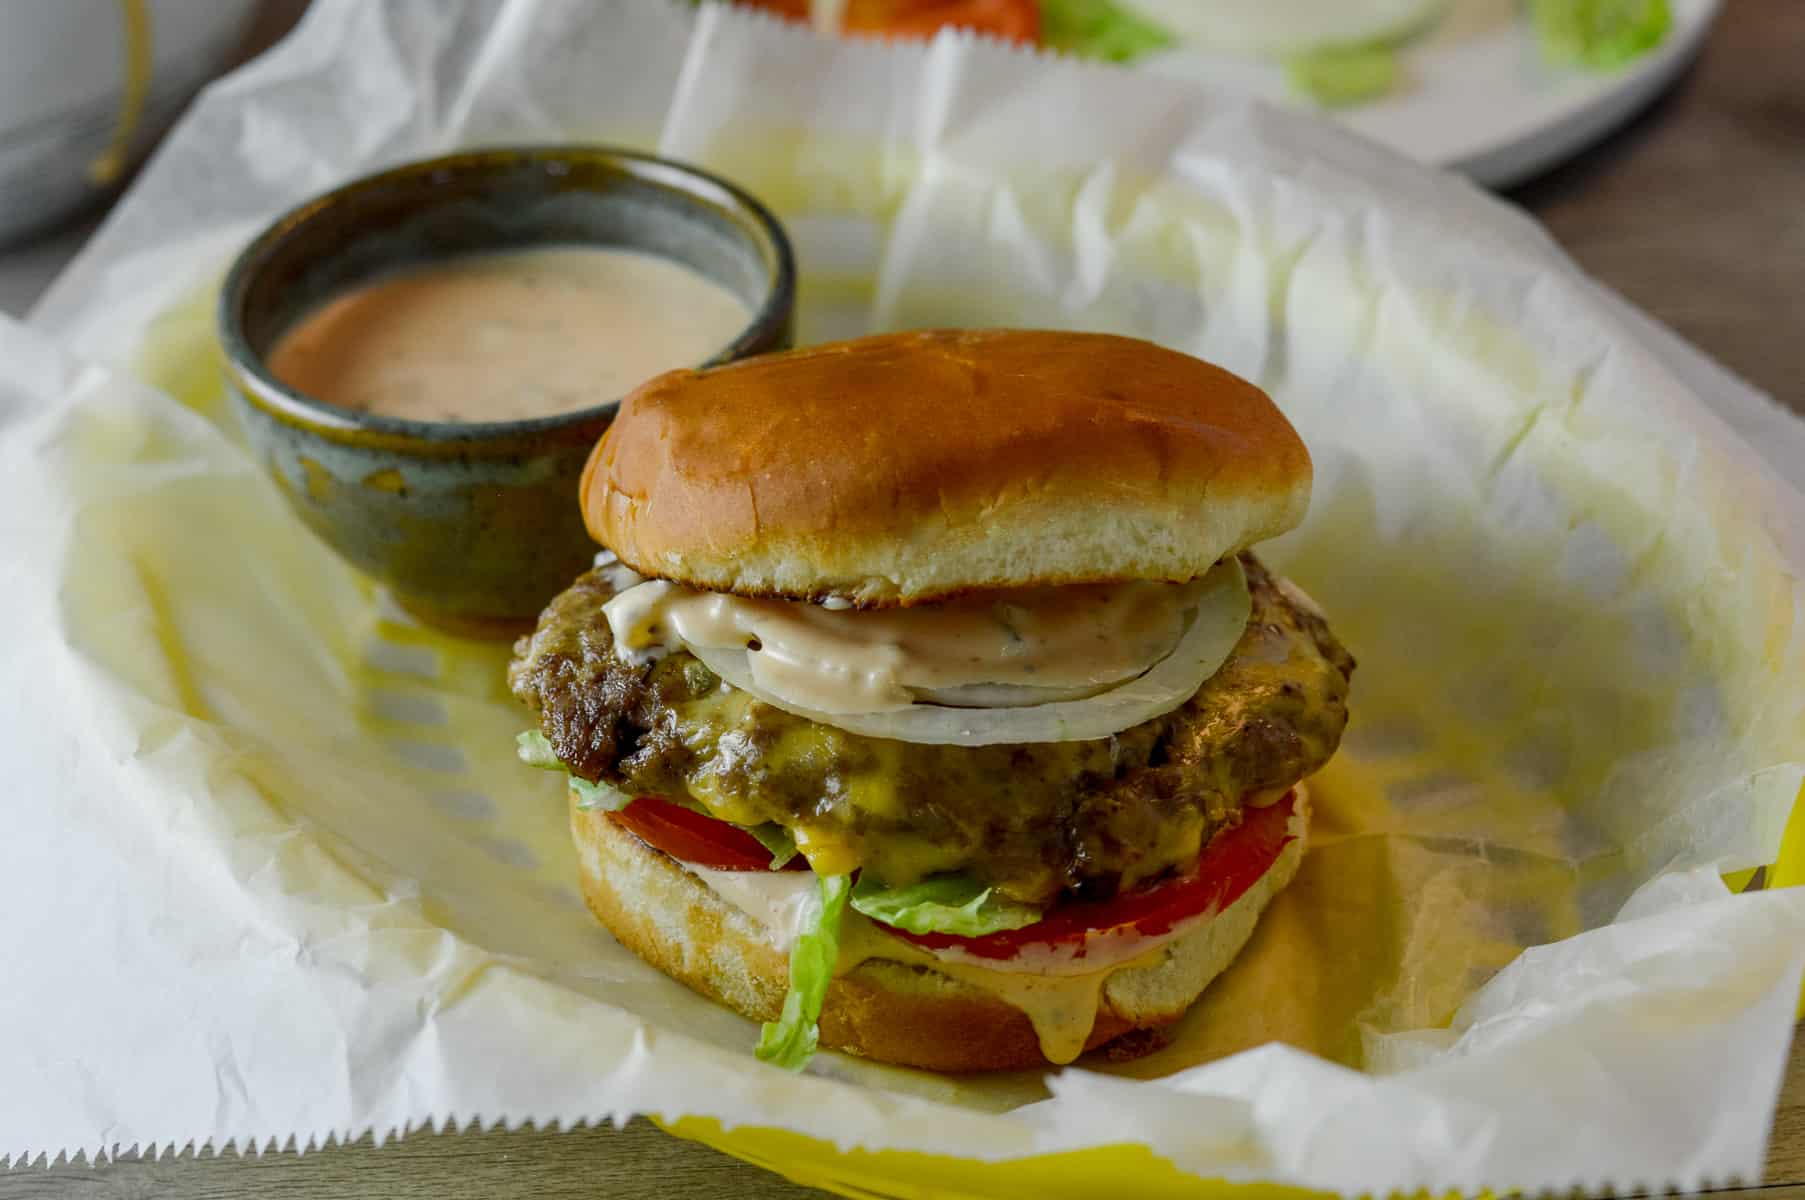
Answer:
(1004, 648)
(783, 902)
(1058, 993)
(509, 334)
(1100, 950)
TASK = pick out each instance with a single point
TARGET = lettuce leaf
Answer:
(954, 904)
(591, 796)
(533, 750)
(1337, 76)
(777, 840)
(790, 1040)
(1599, 34)
(1099, 29)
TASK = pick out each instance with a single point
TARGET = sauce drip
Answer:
(1003, 648)
(508, 335)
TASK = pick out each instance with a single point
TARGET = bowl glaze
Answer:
(472, 526)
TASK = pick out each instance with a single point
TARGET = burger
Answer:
(926, 702)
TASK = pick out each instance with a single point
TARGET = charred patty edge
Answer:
(1105, 813)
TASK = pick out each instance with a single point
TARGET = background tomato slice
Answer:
(693, 837)
(1232, 862)
(1011, 20)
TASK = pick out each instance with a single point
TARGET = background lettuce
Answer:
(1099, 29)
(1600, 34)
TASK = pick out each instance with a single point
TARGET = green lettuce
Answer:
(954, 904)
(1337, 76)
(533, 750)
(790, 1040)
(1599, 34)
(591, 796)
(1099, 29)
(777, 840)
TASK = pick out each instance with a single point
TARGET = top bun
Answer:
(909, 467)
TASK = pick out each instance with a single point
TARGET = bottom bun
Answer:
(901, 1012)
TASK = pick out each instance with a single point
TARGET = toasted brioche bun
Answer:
(896, 1012)
(908, 467)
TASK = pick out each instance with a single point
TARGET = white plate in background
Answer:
(1475, 93)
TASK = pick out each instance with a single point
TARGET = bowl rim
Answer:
(691, 182)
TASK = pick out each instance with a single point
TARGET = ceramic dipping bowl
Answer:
(472, 526)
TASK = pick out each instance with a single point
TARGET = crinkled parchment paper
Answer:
(273, 874)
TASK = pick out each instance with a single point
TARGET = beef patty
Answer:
(1034, 820)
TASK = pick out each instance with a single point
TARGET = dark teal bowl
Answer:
(472, 526)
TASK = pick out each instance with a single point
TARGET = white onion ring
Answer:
(1223, 607)
(1007, 695)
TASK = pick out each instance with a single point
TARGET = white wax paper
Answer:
(273, 875)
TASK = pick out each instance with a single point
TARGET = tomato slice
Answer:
(1011, 20)
(1234, 861)
(693, 837)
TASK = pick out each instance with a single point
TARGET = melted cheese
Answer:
(1001, 648)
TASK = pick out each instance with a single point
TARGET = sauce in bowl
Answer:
(508, 335)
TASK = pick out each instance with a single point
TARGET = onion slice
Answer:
(1007, 695)
(1223, 607)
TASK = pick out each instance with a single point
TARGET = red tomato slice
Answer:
(693, 837)
(1011, 20)
(1232, 862)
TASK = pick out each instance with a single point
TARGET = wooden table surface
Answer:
(1696, 213)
